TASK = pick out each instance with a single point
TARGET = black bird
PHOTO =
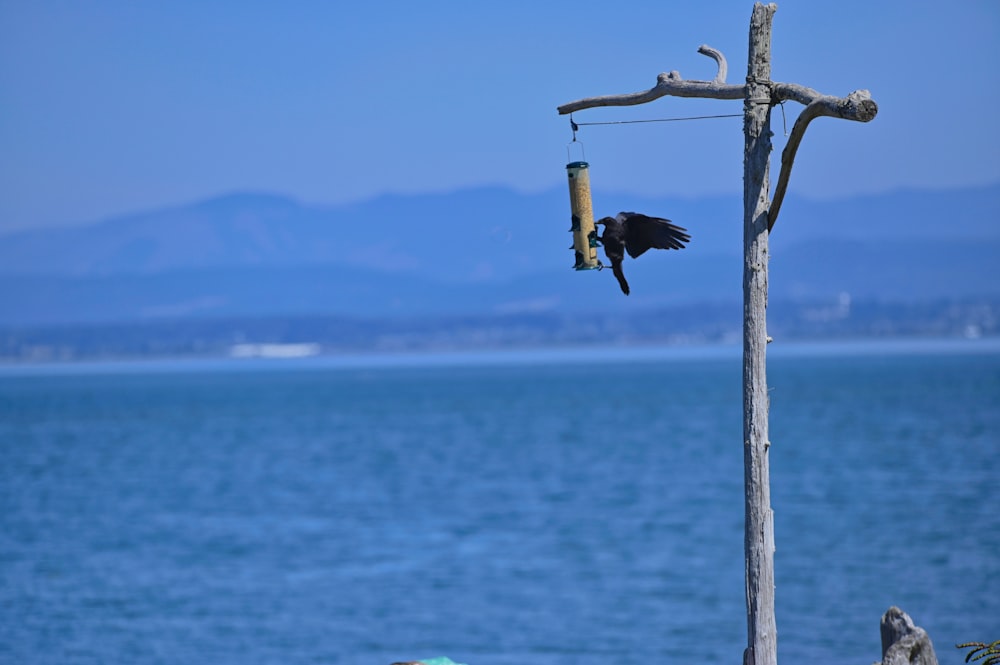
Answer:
(634, 233)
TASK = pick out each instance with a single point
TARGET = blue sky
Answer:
(111, 107)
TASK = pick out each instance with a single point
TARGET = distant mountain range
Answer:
(483, 252)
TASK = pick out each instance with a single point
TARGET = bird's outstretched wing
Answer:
(643, 232)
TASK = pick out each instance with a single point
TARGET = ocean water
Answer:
(538, 508)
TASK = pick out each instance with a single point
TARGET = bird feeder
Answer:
(584, 233)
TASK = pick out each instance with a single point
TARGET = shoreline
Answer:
(319, 361)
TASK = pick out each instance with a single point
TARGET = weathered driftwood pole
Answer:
(758, 539)
(759, 94)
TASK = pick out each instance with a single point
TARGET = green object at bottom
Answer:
(443, 660)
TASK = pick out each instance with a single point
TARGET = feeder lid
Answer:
(577, 165)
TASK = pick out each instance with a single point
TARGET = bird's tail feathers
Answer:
(616, 268)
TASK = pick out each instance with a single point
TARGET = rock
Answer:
(903, 643)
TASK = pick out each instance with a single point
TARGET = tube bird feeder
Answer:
(584, 233)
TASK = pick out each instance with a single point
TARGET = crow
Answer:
(634, 233)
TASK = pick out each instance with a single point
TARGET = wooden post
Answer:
(759, 214)
(762, 646)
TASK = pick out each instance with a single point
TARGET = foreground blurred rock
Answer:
(903, 643)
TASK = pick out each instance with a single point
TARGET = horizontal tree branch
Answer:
(668, 84)
(857, 106)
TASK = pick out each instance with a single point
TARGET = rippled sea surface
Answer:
(586, 511)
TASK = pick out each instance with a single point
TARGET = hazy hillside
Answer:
(482, 251)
